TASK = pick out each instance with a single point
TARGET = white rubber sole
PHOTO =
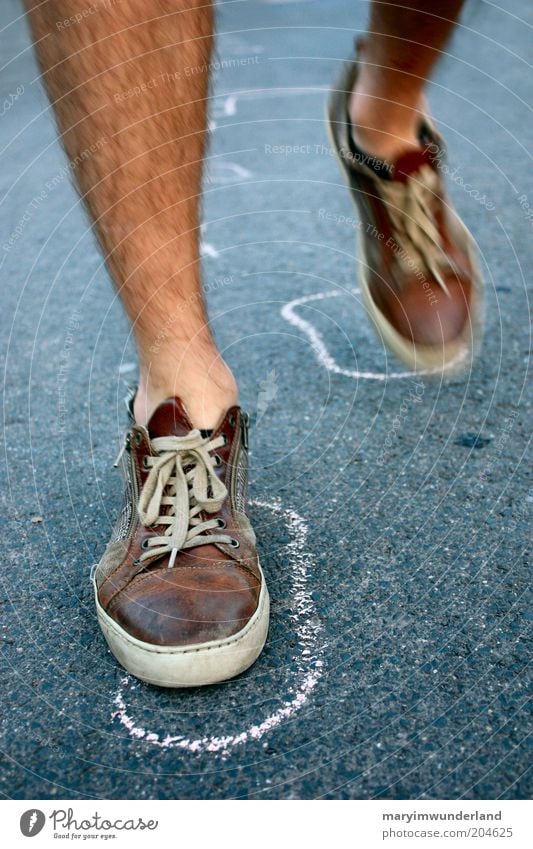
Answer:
(450, 359)
(189, 666)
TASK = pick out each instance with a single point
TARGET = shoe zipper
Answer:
(236, 466)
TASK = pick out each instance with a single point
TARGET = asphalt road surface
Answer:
(392, 511)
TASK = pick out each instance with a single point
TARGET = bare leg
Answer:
(403, 45)
(129, 85)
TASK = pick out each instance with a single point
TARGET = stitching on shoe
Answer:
(143, 578)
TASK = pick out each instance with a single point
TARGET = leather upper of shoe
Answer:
(187, 572)
(419, 270)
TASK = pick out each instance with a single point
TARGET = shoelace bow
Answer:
(409, 207)
(182, 478)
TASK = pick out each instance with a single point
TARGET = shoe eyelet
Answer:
(225, 438)
(218, 460)
(145, 543)
(138, 437)
(145, 461)
(221, 524)
(232, 420)
(234, 543)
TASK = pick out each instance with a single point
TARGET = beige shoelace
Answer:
(409, 207)
(182, 477)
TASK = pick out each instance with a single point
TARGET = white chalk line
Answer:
(207, 249)
(221, 173)
(318, 345)
(225, 105)
(309, 663)
(229, 106)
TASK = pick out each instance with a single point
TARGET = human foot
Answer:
(420, 279)
(382, 129)
(383, 124)
(205, 383)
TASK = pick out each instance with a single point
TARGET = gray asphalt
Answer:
(392, 513)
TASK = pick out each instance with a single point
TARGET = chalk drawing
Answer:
(319, 347)
(309, 663)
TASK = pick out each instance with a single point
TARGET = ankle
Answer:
(382, 127)
(207, 392)
(386, 145)
(383, 136)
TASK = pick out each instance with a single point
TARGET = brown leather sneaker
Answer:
(420, 279)
(180, 594)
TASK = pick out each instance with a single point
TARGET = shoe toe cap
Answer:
(424, 313)
(188, 605)
(434, 316)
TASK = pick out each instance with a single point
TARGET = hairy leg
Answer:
(404, 43)
(129, 84)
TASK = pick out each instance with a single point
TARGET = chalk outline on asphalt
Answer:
(309, 663)
(318, 345)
